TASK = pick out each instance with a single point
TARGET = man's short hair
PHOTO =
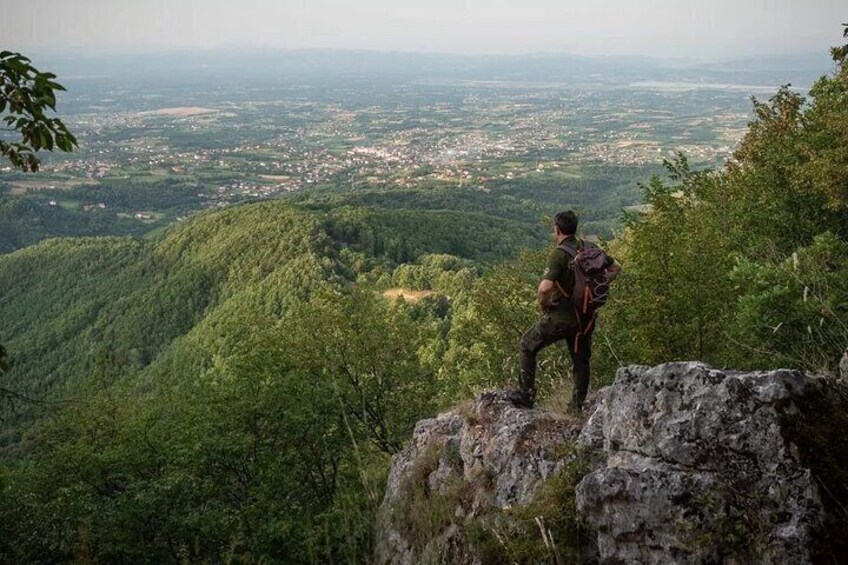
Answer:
(566, 222)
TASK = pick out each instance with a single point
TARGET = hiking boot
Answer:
(520, 398)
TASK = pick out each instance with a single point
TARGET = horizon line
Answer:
(77, 50)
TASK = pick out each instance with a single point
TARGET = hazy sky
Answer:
(672, 28)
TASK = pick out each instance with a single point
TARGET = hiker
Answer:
(564, 315)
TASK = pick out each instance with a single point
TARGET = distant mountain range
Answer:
(327, 65)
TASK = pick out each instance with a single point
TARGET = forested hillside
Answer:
(73, 303)
(24, 222)
(231, 389)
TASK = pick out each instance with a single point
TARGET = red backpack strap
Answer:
(562, 290)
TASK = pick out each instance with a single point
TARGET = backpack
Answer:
(591, 283)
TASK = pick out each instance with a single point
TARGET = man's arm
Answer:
(545, 288)
(613, 271)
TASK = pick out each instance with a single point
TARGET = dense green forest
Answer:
(231, 389)
(24, 222)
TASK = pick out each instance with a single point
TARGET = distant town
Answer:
(211, 150)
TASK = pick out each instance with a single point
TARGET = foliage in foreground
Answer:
(745, 267)
(25, 95)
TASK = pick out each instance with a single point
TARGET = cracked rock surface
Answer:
(690, 454)
(499, 452)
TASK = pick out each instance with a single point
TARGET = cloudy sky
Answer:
(665, 28)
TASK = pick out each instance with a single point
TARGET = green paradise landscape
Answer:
(218, 363)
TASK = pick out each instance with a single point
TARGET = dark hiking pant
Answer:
(546, 331)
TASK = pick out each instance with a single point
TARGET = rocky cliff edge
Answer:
(678, 463)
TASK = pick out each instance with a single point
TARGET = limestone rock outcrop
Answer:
(678, 463)
(464, 463)
(698, 467)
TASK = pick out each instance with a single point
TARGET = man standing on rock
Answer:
(574, 266)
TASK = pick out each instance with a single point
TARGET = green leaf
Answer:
(46, 138)
(64, 143)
